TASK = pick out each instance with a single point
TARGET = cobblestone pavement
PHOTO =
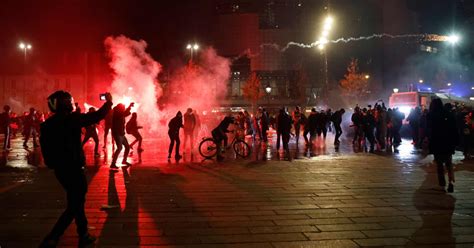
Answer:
(331, 199)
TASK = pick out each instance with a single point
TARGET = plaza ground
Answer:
(330, 199)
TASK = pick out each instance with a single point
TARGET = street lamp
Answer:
(192, 48)
(453, 39)
(395, 90)
(420, 81)
(449, 84)
(268, 89)
(367, 76)
(25, 47)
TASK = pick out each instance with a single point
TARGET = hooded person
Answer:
(173, 132)
(118, 133)
(62, 151)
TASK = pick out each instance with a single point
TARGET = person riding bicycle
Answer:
(219, 134)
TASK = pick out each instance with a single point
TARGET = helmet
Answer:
(60, 101)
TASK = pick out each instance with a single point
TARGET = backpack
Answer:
(52, 142)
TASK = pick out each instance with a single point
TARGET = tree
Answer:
(252, 90)
(354, 84)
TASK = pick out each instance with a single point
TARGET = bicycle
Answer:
(208, 147)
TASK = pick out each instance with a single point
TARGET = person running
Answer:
(173, 132)
(310, 128)
(443, 139)
(62, 131)
(188, 127)
(5, 122)
(91, 132)
(132, 129)
(336, 119)
(219, 134)
(118, 132)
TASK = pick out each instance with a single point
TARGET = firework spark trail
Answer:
(420, 37)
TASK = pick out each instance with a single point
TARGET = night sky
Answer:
(55, 27)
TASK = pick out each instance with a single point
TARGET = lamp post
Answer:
(322, 42)
(192, 48)
(268, 89)
(25, 47)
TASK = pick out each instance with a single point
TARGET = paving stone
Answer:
(336, 235)
(381, 241)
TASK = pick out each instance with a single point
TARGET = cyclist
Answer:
(219, 134)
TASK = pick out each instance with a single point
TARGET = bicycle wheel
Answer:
(208, 148)
(241, 148)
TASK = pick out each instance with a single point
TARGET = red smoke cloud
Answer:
(199, 86)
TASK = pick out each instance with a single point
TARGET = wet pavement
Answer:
(324, 197)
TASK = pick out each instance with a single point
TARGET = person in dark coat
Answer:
(29, 128)
(298, 119)
(414, 122)
(368, 124)
(443, 139)
(173, 132)
(189, 126)
(284, 122)
(264, 123)
(5, 122)
(118, 132)
(310, 127)
(336, 119)
(133, 128)
(70, 168)
(356, 119)
(91, 132)
(219, 134)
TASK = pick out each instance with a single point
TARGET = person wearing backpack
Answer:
(61, 147)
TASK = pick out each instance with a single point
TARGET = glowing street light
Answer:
(192, 48)
(453, 39)
(472, 88)
(25, 47)
(395, 90)
(268, 89)
(449, 84)
(367, 76)
(420, 81)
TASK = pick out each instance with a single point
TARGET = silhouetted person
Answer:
(29, 128)
(443, 138)
(91, 132)
(61, 147)
(189, 126)
(108, 127)
(380, 125)
(118, 132)
(298, 120)
(397, 122)
(284, 122)
(368, 124)
(337, 120)
(414, 121)
(356, 119)
(264, 123)
(219, 134)
(173, 132)
(132, 128)
(5, 122)
(310, 127)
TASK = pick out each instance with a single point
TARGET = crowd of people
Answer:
(440, 129)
